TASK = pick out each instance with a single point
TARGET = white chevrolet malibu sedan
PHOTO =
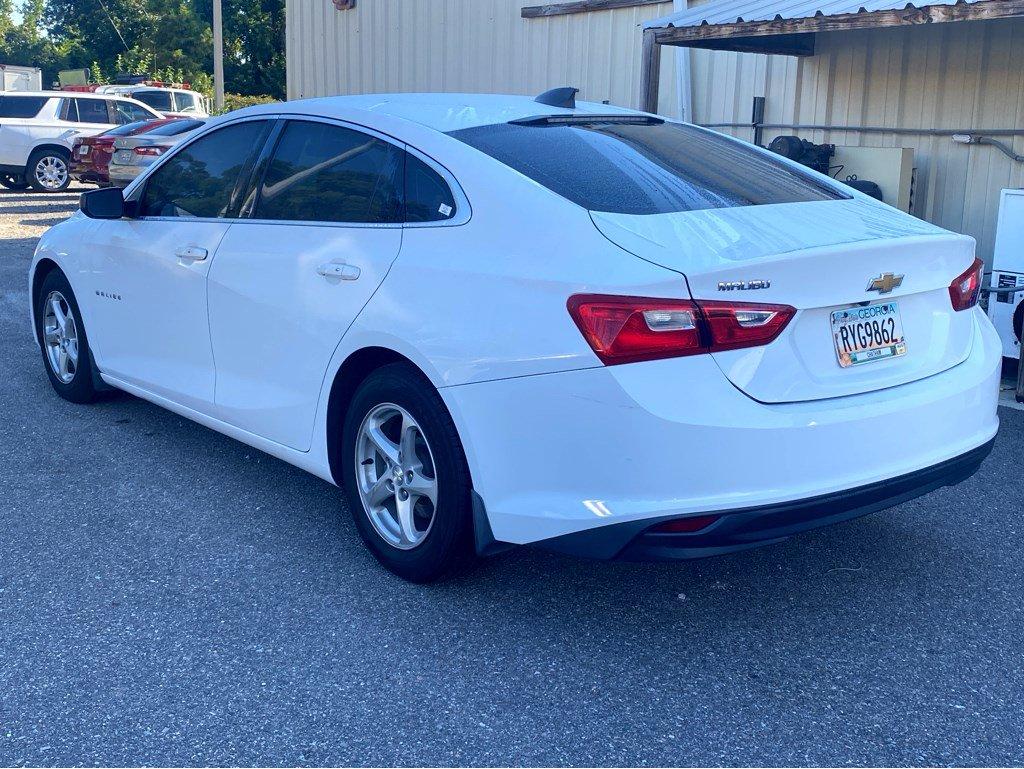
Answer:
(498, 321)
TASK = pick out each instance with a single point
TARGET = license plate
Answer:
(83, 149)
(865, 334)
(123, 156)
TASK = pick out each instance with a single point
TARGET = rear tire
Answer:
(13, 182)
(419, 539)
(66, 355)
(48, 170)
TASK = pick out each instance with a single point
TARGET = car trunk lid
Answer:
(819, 257)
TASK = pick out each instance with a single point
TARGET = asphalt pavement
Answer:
(171, 597)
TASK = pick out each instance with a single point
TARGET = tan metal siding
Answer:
(943, 76)
(467, 45)
(949, 76)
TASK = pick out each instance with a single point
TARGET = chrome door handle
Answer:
(192, 253)
(339, 270)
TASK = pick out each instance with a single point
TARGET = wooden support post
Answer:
(650, 72)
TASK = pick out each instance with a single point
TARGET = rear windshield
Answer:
(128, 129)
(175, 127)
(644, 167)
(21, 106)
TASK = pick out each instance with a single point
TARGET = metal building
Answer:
(909, 84)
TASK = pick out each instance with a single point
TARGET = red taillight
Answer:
(151, 151)
(735, 325)
(966, 287)
(685, 525)
(627, 329)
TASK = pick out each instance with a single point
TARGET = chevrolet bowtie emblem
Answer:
(885, 283)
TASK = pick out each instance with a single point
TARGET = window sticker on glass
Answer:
(444, 209)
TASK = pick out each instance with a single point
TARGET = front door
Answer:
(149, 274)
(287, 283)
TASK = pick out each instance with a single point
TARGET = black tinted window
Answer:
(201, 180)
(175, 127)
(158, 100)
(643, 167)
(21, 106)
(95, 111)
(427, 196)
(326, 173)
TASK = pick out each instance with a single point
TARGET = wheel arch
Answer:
(48, 145)
(40, 271)
(352, 372)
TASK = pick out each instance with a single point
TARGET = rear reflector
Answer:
(627, 329)
(966, 287)
(684, 525)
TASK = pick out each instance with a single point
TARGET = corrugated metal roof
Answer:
(739, 11)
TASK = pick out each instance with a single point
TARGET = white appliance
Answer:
(1007, 310)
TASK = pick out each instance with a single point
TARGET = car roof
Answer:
(439, 111)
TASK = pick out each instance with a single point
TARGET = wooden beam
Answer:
(934, 14)
(650, 73)
(785, 45)
(581, 6)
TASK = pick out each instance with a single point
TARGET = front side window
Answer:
(204, 178)
(428, 198)
(643, 166)
(158, 100)
(21, 106)
(93, 111)
(326, 173)
(130, 113)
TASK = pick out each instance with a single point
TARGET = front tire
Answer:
(66, 355)
(406, 475)
(48, 170)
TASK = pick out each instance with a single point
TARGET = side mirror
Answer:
(104, 203)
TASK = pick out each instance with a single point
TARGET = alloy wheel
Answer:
(396, 476)
(51, 172)
(60, 336)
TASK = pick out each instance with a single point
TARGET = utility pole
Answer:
(218, 56)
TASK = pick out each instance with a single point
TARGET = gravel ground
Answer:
(171, 597)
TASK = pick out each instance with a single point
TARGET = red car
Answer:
(90, 155)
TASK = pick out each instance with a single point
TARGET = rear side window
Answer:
(204, 179)
(21, 106)
(644, 167)
(325, 173)
(428, 198)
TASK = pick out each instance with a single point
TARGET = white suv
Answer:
(37, 130)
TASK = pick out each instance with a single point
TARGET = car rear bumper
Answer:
(738, 530)
(560, 454)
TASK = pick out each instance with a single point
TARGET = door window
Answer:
(159, 100)
(428, 198)
(326, 173)
(90, 111)
(204, 179)
(126, 112)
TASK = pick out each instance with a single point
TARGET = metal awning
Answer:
(788, 26)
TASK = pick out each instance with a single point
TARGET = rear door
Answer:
(325, 226)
